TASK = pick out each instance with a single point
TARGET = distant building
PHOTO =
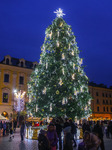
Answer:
(14, 74)
(101, 104)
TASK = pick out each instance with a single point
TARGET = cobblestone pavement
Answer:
(16, 143)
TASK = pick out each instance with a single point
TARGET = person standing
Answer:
(52, 136)
(4, 128)
(67, 143)
(22, 131)
(59, 130)
(1, 126)
(73, 131)
(90, 142)
(98, 131)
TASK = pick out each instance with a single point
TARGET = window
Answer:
(103, 95)
(107, 102)
(109, 95)
(107, 109)
(97, 94)
(21, 80)
(103, 108)
(6, 77)
(98, 109)
(97, 101)
(21, 64)
(111, 109)
(110, 102)
(7, 61)
(103, 101)
(5, 97)
(106, 95)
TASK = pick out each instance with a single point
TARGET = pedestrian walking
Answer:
(15, 125)
(73, 131)
(52, 136)
(22, 131)
(1, 126)
(4, 128)
(11, 135)
(59, 131)
(67, 144)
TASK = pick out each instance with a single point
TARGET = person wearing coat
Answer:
(22, 131)
(52, 136)
(91, 141)
(68, 138)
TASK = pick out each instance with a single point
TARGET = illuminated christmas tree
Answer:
(59, 85)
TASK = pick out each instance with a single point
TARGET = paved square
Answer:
(27, 144)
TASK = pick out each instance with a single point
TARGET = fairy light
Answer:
(19, 100)
(63, 56)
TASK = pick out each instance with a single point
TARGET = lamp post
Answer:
(19, 97)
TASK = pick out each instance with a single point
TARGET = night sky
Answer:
(23, 24)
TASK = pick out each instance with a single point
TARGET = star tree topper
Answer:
(59, 13)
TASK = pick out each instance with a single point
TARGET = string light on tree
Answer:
(50, 35)
(44, 91)
(60, 82)
(57, 43)
(59, 73)
(51, 107)
(73, 66)
(63, 71)
(73, 76)
(72, 53)
(63, 56)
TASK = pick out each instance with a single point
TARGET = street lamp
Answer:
(19, 102)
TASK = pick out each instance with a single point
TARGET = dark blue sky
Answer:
(23, 24)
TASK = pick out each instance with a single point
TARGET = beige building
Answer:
(101, 104)
(14, 74)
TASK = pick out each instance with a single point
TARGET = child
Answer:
(43, 143)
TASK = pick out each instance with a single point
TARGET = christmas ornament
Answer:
(59, 13)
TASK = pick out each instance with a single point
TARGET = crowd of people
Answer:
(93, 134)
(6, 127)
(48, 140)
(62, 134)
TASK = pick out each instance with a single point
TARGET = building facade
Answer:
(101, 103)
(14, 75)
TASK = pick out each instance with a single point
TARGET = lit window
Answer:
(5, 97)
(6, 77)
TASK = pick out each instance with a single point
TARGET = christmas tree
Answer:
(59, 85)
